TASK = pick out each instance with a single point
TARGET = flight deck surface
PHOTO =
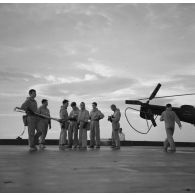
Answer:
(131, 169)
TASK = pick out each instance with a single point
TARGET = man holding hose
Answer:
(43, 122)
(30, 107)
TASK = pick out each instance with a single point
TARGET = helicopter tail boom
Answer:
(134, 102)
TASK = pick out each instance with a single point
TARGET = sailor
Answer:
(121, 135)
(83, 118)
(114, 119)
(64, 124)
(73, 126)
(30, 106)
(170, 117)
(95, 116)
(43, 123)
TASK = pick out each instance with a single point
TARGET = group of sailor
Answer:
(74, 125)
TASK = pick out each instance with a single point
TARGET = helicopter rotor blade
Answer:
(155, 91)
(168, 96)
(153, 122)
(134, 102)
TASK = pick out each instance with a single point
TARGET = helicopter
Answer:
(149, 112)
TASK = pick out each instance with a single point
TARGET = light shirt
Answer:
(83, 116)
(74, 114)
(96, 115)
(43, 110)
(29, 105)
(170, 118)
(63, 113)
(116, 119)
(64, 116)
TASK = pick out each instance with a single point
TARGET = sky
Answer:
(106, 53)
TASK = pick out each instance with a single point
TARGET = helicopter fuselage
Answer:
(186, 113)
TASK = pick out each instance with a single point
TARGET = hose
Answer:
(149, 127)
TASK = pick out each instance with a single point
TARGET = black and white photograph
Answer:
(97, 97)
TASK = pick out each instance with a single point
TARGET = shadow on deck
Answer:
(104, 142)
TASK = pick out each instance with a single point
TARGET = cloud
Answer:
(77, 48)
(154, 80)
(165, 16)
(90, 87)
(2, 94)
(55, 88)
(14, 76)
(182, 83)
(97, 68)
(60, 80)
(93, 87)
(178, 84)
(8, 115)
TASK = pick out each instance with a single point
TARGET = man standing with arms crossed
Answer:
(30, 107)
(64, 124)
(170, 117)
(43, 123)
(95, 116)
(73, 127)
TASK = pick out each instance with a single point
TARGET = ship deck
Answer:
(132, 169)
